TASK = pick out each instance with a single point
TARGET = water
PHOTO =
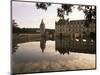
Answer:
(52, 55)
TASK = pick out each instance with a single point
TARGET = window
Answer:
(74, 25)
(78, 25)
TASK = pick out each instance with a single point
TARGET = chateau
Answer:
(74, 29)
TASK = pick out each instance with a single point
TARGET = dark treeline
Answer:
(30, 30)
(24, 30)
(16, 29)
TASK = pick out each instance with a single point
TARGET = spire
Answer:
(42, 22)
(42, 28)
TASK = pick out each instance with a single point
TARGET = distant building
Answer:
(42, 28)
(74, 28)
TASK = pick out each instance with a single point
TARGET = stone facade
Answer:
(74, 28)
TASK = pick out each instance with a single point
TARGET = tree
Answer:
(42, 5)
(67, 8)
(64, 10)
(60, 13)
(15, 27)
(90, 13)
(88, 10)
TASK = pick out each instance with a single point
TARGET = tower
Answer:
(42, 28)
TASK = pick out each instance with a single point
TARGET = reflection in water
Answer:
(61, 46)
(15, 43)
(65, 45)
(15, 47)
(27, 56)
(42, 43)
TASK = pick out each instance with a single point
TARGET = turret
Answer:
(42, 28)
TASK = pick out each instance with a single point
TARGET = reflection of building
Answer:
(61, 45)
(42, 28)
(42, 43)
(73, 29)
(66, 45)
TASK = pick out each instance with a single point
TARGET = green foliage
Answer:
(90, 13)
(61, 21)
(42, 5)
(15, 28)
(67, 8)
(60, 13)
(64, 10)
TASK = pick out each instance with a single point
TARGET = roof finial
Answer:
(42, 21)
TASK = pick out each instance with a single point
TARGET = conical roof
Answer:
(42, 23)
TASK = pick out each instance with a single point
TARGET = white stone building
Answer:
(74, 28)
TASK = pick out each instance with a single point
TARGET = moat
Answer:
(42, 55)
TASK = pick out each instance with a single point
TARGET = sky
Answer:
(28, 16)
